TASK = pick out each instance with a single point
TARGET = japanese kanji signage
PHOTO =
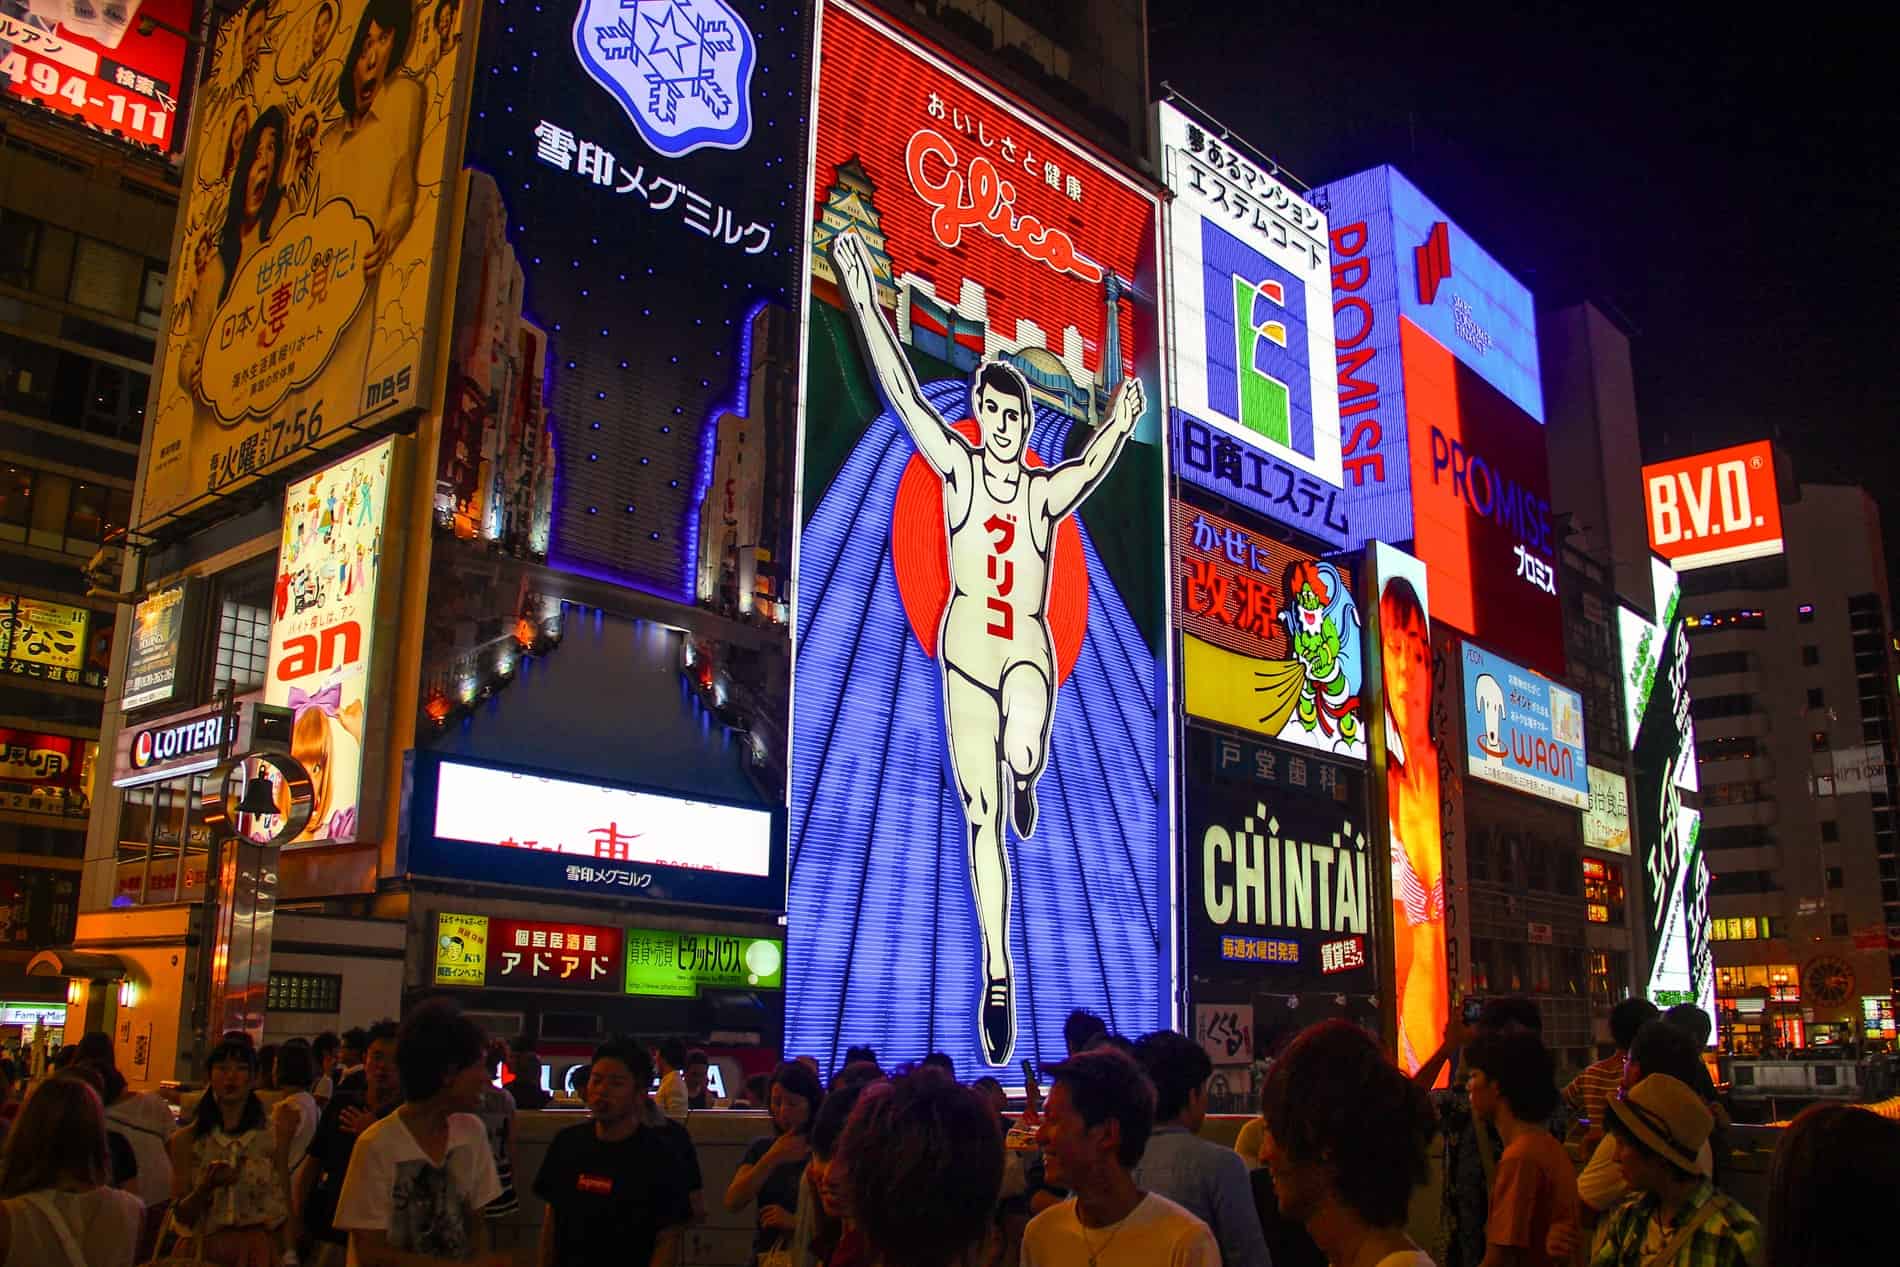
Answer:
(461, 949)
(631, 173)
(309, 252)
(42, 639)
(514, 826)
(665, 961)
(1270, 635)
(43, 760)
(118, 68)
(1522, 730)
(537, 954)
(980, 324)
(1256, 394)
(1278, 861)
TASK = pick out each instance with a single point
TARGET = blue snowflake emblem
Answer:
(681, 69)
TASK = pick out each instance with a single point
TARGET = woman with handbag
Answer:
(774, 1166)
(57, 1205)
(228, 1166)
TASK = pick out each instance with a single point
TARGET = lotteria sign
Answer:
(1256, 416)
(1719, 507)
(179, 745)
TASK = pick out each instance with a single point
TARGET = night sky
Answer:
(1722, 184)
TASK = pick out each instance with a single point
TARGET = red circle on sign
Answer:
(920, 556)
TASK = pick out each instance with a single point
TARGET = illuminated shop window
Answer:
(1730, 618)
(304, 992)
(1602, 891)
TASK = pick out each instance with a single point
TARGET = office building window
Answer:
(1817, 698)
(1837, 925)
(16, 503)
(1810, 655)
(1818, 740)
(1835, 879)
(243, 629)
(1830, 830)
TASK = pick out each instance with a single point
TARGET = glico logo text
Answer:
(1491, 495)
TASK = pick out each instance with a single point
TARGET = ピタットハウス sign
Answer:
(681, 69)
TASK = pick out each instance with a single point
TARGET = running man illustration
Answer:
(994, 644)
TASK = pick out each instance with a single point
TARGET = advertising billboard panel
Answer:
(29, 756)
(1278, 867)
(980, 667)
(537, 829)
(164, 630)
(1481, 503)
(668, 963)
(117, 68)
(1409, 750)
(44, 639)
(1522, 730)
(311, 251)
(1606, 820)
(1718, 507)
(461, 949)
(1270, 638)
(1256, 408)
(323, 628)
(1675, 872)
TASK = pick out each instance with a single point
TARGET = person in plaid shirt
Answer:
(1590, 1090)
(1676, 1217)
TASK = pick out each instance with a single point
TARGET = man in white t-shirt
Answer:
(1095, 1127)
(418, 1178)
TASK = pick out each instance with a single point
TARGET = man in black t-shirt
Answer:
(619, 1188)
(319, 1180)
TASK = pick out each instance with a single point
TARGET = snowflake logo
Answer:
(681, 69)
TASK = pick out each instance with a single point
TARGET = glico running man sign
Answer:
(976, 799)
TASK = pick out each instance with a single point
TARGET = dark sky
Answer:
(1722, 181)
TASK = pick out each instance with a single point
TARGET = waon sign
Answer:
(1718, 507)
(542, 954)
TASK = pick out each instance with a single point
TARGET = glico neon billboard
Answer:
(978, 798)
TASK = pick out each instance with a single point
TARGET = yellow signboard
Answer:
(1223, 686)
(316, 188)
(461, 949)
(42, 640)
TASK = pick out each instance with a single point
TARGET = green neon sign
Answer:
(674, 964)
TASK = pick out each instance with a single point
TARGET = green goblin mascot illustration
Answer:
(1323, 625)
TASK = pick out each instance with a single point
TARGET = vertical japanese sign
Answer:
(42, 639)
(323, 622)
(1675, 871)
(1409, 753)
(634, 183)
(1270, 637)
(461, 949)
(118, 68)
(978, 738)
(310, 255)
(1256, 409)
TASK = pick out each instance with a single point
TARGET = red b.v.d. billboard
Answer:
(1718, 507)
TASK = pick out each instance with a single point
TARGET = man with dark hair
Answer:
(1658, 1048)
(1512, 1088)
(1094, 1130)
(1345, 1145)
(858, 1054)
(939, 1061)
(324, 1049)
(920, 1164)
(1081, 1030)
(349, 1062)
(619, 1187)
(1678, 1217)
(1588, 1090)
(526, 1088)
(318, 1182)
(1206, 1180)
(1694, 1022)
(669, 1055)
(697, 1065)
(418, 1179)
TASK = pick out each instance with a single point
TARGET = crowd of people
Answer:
(394, 1147)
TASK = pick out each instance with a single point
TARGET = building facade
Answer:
(1794, 708)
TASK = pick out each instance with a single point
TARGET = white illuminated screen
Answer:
(526, 811)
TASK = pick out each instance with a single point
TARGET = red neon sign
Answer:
(556, 955)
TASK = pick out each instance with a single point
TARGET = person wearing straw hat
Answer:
(1676, 1217)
